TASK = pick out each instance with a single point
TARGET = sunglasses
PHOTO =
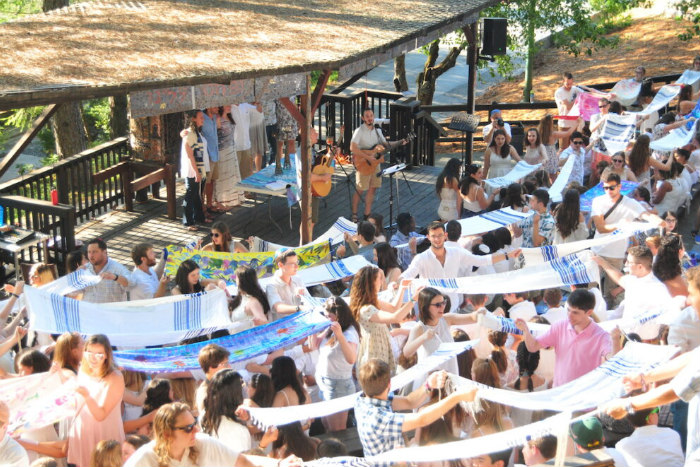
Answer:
(602, 106)
(654, 410)
(578, 142)
(610, 187)
(187, 428)
(616, 161)
(215, 235)
(97, 355)
(439, 304)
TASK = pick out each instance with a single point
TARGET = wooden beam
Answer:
(319, 90)
(102, 175)
(27, 138)
(147, 180)
(306, 231)
(293, 110)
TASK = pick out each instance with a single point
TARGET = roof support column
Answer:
(472, 62)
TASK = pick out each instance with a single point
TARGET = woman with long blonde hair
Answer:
(374, 315)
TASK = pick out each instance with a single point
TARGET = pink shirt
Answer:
(575, 354)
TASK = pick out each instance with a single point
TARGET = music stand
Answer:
(466, 123)
(390, 171)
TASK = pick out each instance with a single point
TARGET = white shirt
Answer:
(211, 452)
(233, 435)
(191, 140)
(644, 294)
(561, 96)
(686, 385)
(367, 138)
(684, 329)
(652, 446)
(523, 310)
(556, 314)
(458, 263)
(241, 135)
(279, 291)
(145, 284)
(627, 210)
(506, 128)
(577, 170)
(12, 454)
(331, 360)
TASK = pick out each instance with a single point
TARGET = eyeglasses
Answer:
(96, 355)
(610, 187)
(603, 106)
(187, 428)
(578, 142)
(439, 304)
(215, 235)
(617, 161)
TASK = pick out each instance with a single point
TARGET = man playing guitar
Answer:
(367, 147)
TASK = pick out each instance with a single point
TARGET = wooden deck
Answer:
(149, 223)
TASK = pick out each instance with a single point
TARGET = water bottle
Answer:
(54, 196)
(532, 97)
(2, 215)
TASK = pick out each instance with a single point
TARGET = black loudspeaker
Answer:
(494, 36)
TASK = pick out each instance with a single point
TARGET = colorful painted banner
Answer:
(585, 105)
(38, 400)
(137, 323)
(243, 345)
(587, 198)
(335, 234)
(219, 265)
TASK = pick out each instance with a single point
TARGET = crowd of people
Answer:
(380, 324)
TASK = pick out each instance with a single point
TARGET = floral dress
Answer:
(375, 341)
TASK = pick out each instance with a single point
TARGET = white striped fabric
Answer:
(617, 131)
(521, 170)
(335, 234)
(675, 138)
(665, 95)
(136, 323)
(557, 189)
(72, 282)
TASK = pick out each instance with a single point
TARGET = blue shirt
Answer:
(209, 132)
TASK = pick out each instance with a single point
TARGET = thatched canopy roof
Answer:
(108, 47)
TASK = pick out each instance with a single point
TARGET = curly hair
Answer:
(163, 427)
(638, 160)
(505, 149)
(364, 290)
(668, 264)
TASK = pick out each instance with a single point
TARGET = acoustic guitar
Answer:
(323, 166)
(367, 166)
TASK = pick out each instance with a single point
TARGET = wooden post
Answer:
(306, 106)
(170, 190)
(472, 62)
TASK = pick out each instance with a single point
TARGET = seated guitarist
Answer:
(366, 144)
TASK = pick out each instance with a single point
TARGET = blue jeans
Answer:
(270, 131)
(192, 203)
(334, 388)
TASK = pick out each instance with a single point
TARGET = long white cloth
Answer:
(689, 77)
(578, 268)
(335, 234)
(626, 91)
(557, 188)
(492, 220)
(277, 416)
(521, 170)
(72, 282)
(617, 131)
(675, 138)
(543, 254)
(665, 95)
(136, 323)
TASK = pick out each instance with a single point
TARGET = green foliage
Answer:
(51, 159)
(690, 10)
(24, 168)
(13, 9)
(22, 119)
(315, 75)
(97, 115)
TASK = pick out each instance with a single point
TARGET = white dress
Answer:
(672, 199)
(500, 165)
(448, 205)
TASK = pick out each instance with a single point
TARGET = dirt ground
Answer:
(651, 41)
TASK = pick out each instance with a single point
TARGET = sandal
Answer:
(192, 228)
(354, 218)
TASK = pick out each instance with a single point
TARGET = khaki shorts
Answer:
(315, 202)
(213, 174)
(365, 182)
(245, 163)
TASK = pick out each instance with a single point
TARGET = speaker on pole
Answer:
(494, 36)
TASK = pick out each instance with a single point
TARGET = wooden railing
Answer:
(41, 216)
(73, 179)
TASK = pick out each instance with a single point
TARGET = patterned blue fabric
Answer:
(587, 198)
(188, 313)
(571, 270)
(66, 313)
(501, 217)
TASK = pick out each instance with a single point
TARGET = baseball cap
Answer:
(588, 433)
(495, 111)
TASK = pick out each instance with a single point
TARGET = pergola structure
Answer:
(171, 55)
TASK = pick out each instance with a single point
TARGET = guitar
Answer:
(367, 166)
(322, 167)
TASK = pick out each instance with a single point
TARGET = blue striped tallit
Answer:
(66, 313)
(617, 131)
(335, 235)
(521, 170)
(663, 96)
(72, 282)
(503, 217)
(571, 270)
(675, 138)
(689, 77)
(188, 313)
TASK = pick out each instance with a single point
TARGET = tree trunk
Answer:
(431, 72)
(530, 58)
(146, 138)
(68, 129)
(48, 5)
(118, 120)
(400, 83)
